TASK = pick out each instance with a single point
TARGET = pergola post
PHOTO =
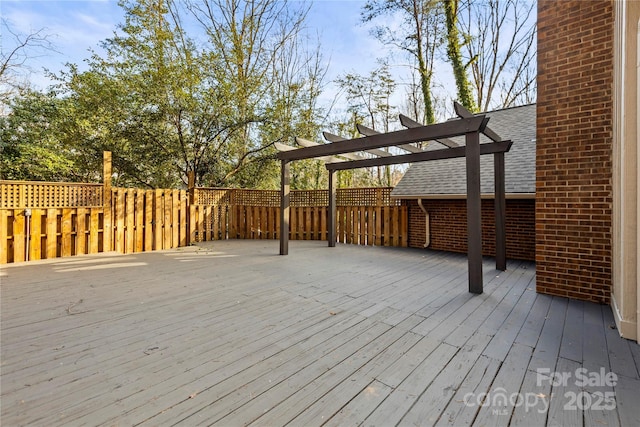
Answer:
(331, 223)
(468, 125)
(500, 208)
(474, 212)
(284, 208)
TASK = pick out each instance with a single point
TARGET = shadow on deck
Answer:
(230, 333)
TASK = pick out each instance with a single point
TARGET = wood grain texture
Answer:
(229, 333)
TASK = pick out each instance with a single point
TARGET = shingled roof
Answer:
(447, 178)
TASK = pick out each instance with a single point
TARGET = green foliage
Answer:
(209, 86)
(165, 105)
(30, 146)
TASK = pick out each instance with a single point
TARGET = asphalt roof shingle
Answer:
(448, 176)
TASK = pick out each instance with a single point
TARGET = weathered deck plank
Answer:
(532, 409)
(508, 381)
(428, 408)
(545, 354)
(465, 404)
(561, 410)
(572, 336)
(231, 334)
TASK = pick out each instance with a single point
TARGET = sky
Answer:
(78, 26)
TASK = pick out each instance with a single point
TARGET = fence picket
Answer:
(175, 229)
(119, 244)
(130, 227)
(139, 221)
(52, 233)
(145, 220)
(293, 223)
(264, 223)
(386, 232)
(35, 235)
(18, 236)
(81, 231)
(166, 221)
(395, 226)
(67, 229)
(183, 218)
(4, 238)
(148, 219)
(94, 229)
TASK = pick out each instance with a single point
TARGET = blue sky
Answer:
(77, 26)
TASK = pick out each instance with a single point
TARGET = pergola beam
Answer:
(335, 138)
(426, 133)
(328, 159)
(446, 153)
(306, 143)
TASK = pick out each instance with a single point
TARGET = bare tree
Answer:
(369, 103)
(15, 55)
(419, 36)
(500, 50)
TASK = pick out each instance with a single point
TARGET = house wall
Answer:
(448, 226)
(574, 149)
(626, 174)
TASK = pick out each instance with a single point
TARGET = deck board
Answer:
(562, 412)
(508, 381)
(465, 404)
(229, 333)
(436, 397)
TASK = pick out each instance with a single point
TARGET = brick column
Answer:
(574, 149)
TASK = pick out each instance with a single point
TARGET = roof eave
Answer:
(461, 196)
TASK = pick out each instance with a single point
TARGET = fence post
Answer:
(107, 231)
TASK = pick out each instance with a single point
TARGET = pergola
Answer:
(467, 125)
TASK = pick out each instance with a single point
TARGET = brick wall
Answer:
(574, 143)
(448, 226)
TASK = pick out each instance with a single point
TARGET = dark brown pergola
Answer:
(466, 125)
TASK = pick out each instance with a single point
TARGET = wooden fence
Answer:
(148, 220)
(48, 220)
(365, 216)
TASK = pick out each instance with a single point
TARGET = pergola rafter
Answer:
(466, 125)
(363, 130)
(410, 123)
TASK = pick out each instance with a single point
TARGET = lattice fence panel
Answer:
(380, 196)
(298, 198)
(256, 198)
(309, 198)
(213, 196)
(33, 194)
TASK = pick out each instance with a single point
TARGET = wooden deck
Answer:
(232, 334)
